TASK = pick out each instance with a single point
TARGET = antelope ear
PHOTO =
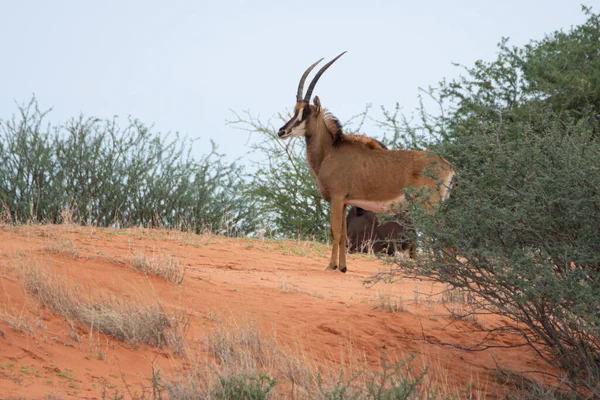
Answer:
(317, 103)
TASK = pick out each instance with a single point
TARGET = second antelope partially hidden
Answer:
(357, 170)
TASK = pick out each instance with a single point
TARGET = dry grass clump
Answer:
(66, 216)
(244, 363)
(247, 365)
(133, 323)
(242, 347)
(455, 295)
(65, 247)
(18, 323)
(387, 302)
(163, 266)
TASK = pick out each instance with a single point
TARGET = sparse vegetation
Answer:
(287, 287)
(148, 324)
(162, 265)
(18, 323)
(387, 302)
(62, 247)
(241, 347)
(243, 387)
(65, 374)
(251, 367)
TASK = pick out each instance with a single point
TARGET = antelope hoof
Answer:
(331, 267)
(343, 269)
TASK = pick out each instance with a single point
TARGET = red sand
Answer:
(280, 285)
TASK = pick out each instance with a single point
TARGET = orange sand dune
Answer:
(281, 286)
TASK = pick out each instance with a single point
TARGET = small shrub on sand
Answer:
(243, 387)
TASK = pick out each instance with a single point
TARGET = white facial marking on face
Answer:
(299, 117)
(298, 130)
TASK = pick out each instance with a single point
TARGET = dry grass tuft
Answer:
(241, 347)
(455, 295)
(163, 266)
(6, 218)
(290, 288)
(287, 287)
(18, 323)
(65, 247)
(387, 302)
(66, 215)
(129, 322)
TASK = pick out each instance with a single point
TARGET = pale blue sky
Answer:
(183, 65)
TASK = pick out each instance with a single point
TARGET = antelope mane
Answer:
(334, 127)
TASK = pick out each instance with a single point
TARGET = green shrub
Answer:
(243, 387)
(110, 175)
(524, 215)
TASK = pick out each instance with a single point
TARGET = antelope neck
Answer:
(318, 143)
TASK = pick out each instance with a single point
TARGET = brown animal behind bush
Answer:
(365, 232)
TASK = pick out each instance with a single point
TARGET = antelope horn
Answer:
(301, 85)
(317, 76)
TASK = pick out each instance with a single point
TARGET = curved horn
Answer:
(317, 76)
(301, 84)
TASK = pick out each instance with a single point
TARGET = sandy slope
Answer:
(279, 286)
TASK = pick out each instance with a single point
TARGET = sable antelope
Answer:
(365, 232)
(357, 170)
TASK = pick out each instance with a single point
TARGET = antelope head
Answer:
(303, 110)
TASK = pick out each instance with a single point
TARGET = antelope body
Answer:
(357, 170)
